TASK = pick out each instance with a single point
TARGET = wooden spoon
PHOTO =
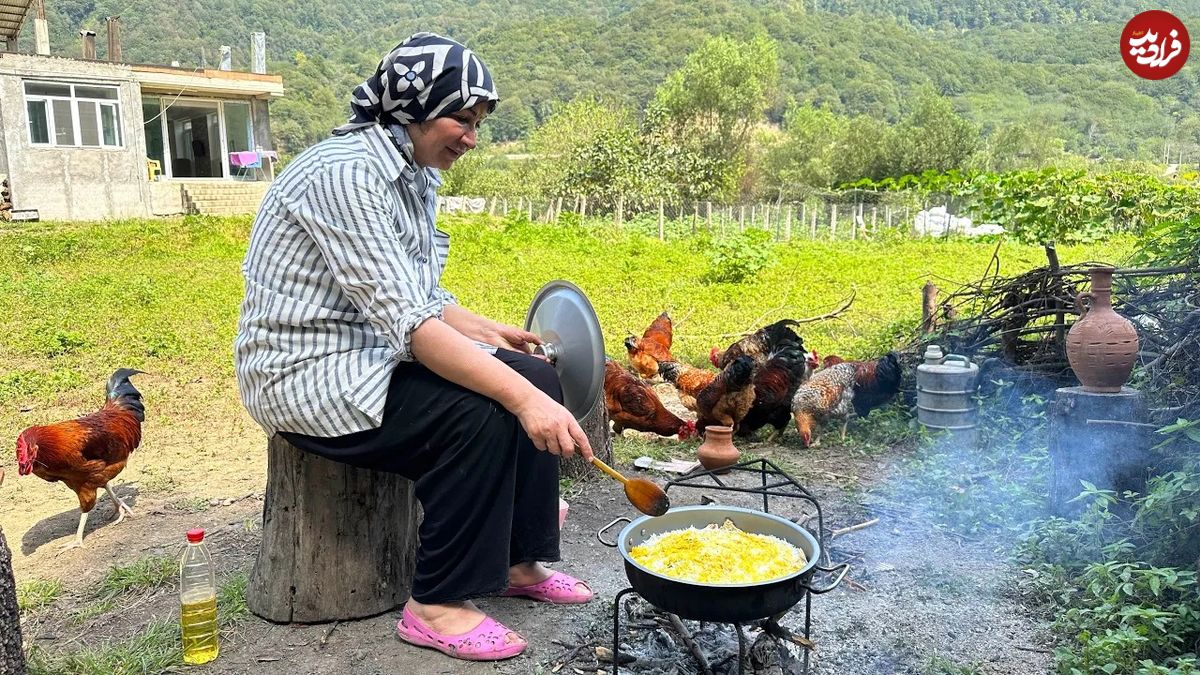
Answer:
(644, 495)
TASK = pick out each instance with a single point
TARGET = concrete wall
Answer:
(3, 154)
(69, 183)
(166, 198)
(73, 183)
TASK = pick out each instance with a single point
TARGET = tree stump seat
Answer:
(340, 542)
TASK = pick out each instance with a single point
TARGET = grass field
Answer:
(163, 295)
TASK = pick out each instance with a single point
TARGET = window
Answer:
(73, 115)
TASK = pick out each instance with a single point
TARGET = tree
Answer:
(564, 145)
(705, 112)
(805, 155)
(1022, 145)
(932, 137)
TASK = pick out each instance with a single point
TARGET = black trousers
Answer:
(490, 497)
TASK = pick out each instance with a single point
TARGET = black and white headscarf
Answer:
(424, 77)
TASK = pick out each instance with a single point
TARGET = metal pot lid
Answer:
(561, 315)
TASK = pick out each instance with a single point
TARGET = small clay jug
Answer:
(1102, 345)
(717, 451)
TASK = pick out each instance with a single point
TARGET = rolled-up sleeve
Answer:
(353, 222)
(447, 297)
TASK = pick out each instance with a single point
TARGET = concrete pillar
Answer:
(41, 32)
(1099, 438)
(258, 52)
(89, 43)
(114, 38)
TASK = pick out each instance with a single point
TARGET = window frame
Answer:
(74, 100)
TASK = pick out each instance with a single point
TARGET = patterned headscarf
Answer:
(424, 77)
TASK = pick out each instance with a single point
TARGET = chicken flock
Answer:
(767, 378)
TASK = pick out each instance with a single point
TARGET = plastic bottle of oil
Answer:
(198, 598)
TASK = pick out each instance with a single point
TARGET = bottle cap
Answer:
(196, 535)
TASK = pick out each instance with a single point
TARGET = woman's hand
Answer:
(505, 336)
(551, 427)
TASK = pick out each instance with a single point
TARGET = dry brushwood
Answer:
(1020, 324)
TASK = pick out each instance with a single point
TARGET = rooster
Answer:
(653, 348)
(759, 344)
(775, 384)
(88, 452)
(632, 404)
(828, 394)
(875, 382)
(721, 398)
(689, 380)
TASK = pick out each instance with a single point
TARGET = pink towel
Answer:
(243, 158)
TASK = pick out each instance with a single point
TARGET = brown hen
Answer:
(652, 348)
(632, 404)
(828, 394)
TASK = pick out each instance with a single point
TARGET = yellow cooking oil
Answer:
(199, 619)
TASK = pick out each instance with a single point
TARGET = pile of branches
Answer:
(1018, 326)
(1166, 311)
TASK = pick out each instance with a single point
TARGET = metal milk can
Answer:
(945, 390)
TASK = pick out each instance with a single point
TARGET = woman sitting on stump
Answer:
(350, 349)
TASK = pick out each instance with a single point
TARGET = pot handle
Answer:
(957, 358)
(1079, 306)
(601, 531)
(845, 567)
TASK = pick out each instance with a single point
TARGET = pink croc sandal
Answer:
(486, 642)
(558, 588)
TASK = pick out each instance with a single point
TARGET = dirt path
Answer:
(920, 601)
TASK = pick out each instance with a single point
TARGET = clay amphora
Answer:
(1102, 345)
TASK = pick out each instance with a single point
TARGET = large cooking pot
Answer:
(730, 603)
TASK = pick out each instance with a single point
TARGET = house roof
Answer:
(12, 15)
(190, 81)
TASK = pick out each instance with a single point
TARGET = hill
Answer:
(1053, 62)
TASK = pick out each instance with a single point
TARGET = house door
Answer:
(193, 134)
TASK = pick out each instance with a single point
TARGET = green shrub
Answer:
(736, 258)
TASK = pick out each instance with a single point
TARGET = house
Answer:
(82, 139)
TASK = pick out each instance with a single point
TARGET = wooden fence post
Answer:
(742, 219)
(833, 221)
(874, 214)
(620, 210)
(929, 293)
(813, 234)
(708, 216)
(661, 233)
(787, 224)
(583, 209)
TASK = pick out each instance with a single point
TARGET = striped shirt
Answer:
(344, 263)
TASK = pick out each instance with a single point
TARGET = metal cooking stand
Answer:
(781, 485)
